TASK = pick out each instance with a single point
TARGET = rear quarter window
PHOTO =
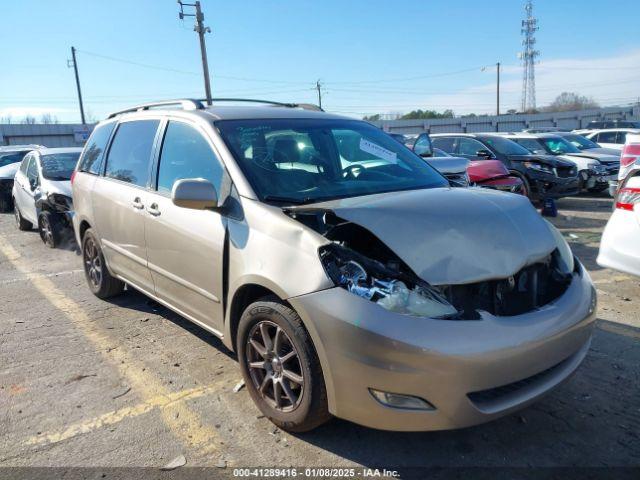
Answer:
(443, 143)
(93, 153)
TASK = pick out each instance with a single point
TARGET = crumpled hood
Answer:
(56, 186)
(482, 170)
(453, 236)
(447, 165)
(550, 160)
(601, 157)
(9, 171)
(606, 151)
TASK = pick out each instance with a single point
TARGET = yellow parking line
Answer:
(28, 276)
(613, 279)
(110, 418)
(184, 423)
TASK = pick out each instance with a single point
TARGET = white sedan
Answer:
(620, 245)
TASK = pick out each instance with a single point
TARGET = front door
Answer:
(185, 246)
(30, 186)
(119, 200)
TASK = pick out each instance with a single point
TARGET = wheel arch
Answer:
(246, 294)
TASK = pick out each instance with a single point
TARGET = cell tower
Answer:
(528, 57)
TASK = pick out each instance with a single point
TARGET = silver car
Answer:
(344, 271)
(42, 193)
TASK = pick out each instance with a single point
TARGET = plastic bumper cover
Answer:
(363, 346)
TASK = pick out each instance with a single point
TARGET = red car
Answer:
(493, 174)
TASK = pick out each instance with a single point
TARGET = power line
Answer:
(407, 79)
(185, 72)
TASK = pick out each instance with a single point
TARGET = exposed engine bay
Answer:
(362, 264)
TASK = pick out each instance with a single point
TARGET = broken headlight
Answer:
(565, 261)
(390, 288)
(60, 201)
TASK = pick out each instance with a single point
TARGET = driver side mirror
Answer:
(486, 154)
(194, 193)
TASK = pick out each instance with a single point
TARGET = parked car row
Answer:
(545, 165)
(347, 274)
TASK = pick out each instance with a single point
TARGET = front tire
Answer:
(280, 366)
(526, 188)
(101, 283)
(50, 229)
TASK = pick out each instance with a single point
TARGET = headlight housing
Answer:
(390, 288)
(565, 261)
(597, 168)
(541, 167)
(60, 201)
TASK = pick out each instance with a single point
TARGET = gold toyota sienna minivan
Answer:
(349, 277)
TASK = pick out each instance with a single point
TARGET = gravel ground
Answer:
(127, 383)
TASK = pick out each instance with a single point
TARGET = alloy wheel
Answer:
(274, 366)
(92, 263)
(45, 230)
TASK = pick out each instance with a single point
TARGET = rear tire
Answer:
(282, 372)
(21, 223)
(526, 188)
(50, 229)
(101, 283)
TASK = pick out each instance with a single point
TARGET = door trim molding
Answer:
(183, 282)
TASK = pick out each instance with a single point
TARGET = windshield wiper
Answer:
(293, 201)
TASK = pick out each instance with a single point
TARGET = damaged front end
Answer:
(358, 261)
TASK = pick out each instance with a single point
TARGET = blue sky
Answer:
(371, 55)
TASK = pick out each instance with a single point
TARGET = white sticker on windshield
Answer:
(378, 151)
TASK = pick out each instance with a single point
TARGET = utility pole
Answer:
(75, 68)
(319, 88)
(201, 30)
(498, 89)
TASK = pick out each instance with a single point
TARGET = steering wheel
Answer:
(351, 170)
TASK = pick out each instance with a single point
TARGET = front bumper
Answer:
(544, 185)
(619, 243)
(457, 366)
(504, 184)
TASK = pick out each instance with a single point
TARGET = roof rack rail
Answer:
(185, 104)
(305, 106)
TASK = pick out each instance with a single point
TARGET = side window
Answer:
(129, 157)
(469, 146)
(91, 160)
(25, 164)
(32, 172)
(621, 138)
(187, 154)
(443, 143)
(607, 137)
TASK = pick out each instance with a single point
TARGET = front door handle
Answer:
(137, 204)
(153, 210)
